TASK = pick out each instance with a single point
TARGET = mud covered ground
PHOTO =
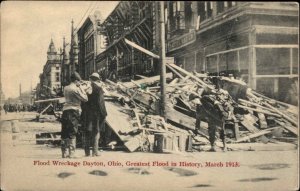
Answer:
(27, 166)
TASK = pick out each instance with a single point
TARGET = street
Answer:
(28, 166)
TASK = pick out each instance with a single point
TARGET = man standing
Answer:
(74, 95)
(94, 116)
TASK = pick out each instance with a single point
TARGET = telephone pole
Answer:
(162, 59)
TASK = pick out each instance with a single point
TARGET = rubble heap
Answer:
(250, 117)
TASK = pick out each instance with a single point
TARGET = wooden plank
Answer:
(201, 83)
(59, 99)
(259, 110)
(254, 104)
(287, 127)
(282, 114)
(50, 105)
(141, 48)
(119, 121)
(249, 126)
(145, 81)
(262, 121)
(273, 100)
(260, 133)
(180, 118)
(175, 72)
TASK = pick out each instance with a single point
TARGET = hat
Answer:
(75, 76)
(95, 75)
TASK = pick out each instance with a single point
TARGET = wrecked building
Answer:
(258, 41)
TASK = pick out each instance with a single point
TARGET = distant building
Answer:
(65, 64)
(69, 58)
(26, 97)
(136, 21)
(50, 82)
(89, 45)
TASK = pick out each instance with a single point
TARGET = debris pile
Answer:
(134, 108)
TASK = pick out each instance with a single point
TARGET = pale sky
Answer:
(26, 31)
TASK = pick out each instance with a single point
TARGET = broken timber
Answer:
(254, 135)
(119, 122)
(149, 80)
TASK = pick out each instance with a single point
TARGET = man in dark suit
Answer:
(94, 116)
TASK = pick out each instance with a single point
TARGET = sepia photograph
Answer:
(149, 95)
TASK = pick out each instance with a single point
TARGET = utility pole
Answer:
(20, 89)
(162, 59)
(72, 49)
(63, 68)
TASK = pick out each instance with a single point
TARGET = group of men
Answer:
(85, 108)
(17, 107)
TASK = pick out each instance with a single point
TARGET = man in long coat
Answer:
(94, 116)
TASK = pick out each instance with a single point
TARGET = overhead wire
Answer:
(92, 8)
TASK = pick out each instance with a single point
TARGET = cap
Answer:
(95, 75)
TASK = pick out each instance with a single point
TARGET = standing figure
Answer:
(212, 112)
(6, 107)
(74, 95)
(94, 116)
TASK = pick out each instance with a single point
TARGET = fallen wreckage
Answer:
(133, 113)
(134, 106)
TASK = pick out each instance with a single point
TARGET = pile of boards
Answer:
(134, 109)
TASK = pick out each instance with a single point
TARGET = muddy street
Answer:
(38, 167)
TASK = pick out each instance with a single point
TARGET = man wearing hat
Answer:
(74, 95)
(94, 116)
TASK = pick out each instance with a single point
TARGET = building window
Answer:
(177, 20)
(272, 61)
(295, 60)
(231, 3)
(209, 8)
(57, 76)
(188, 14)
(201, 11)
(220, 6)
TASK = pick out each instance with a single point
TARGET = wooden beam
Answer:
(272, 100)
(258, 134)
(141, 32)
(145, 81)
(255, 104)
(260, 111)
(60, 100)
(282, 114)
(175, 72)
(287, 127)
(141, 49)
(249, 126)
(147, 27)
(136, 38)
(146, 36)
(120, 15)
(191, 75)
(139, 37)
